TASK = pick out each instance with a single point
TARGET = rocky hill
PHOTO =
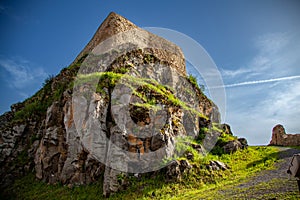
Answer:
(118, 110)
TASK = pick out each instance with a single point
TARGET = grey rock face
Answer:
(87, 132)
(216, 165)
(243, 142)
(232, 146)
(176, 169)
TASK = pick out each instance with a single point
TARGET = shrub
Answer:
(193, 80)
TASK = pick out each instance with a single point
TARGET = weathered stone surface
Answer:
(176, 169)
(190, 156)
(281, 138)
(4, 119)
(216, 165)
(80, 138)
(197, 147)
(226, 129)
(112, 25)
(243, 142)
(115, 25)
(232, 146)
(184, 166)
(17, 149)
(173, 171)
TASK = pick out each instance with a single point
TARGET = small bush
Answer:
(49, 80)
(36, 108)
(193, 80)
(202, 134)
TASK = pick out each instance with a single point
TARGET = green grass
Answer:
(202, 183)
(295, 147)
(101, 80)
(36, 106)
(193, 80)
(199, 183)
(29, 188)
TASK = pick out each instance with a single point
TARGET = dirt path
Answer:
(269, 184)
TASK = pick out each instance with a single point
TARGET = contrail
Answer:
(259, 81)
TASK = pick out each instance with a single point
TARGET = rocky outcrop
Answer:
(232, 146)
(113, 112)
(281, 138)
(228, 142)
(176, 169)
(215, 165)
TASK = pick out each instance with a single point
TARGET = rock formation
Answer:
(281, 138)
(77, 128)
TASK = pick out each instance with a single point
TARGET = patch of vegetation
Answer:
(29, 109)
(34, 138)
(193, 80)
(29, 188)
(183, 144)
(36, 106)
(200, 180)
(223, 139)
(200, 183)
(22, 158)
(102, 80)
(202, 133)
(149, 58)
(48, 80)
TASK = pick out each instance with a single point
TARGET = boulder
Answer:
(232, 146)
(226, 129)
(190, 156)
(173, 172)
(243, 142)
(176, 169)
(216, 166)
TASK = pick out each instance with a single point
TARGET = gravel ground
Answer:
(269, 184)
(280, 171)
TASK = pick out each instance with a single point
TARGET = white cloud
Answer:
(262, 100)
(22, 73)
(234, 73)
(284, 102)
(275, 53)
(272, 43)
(254, 111)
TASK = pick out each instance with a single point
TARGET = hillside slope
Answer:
(124, 108)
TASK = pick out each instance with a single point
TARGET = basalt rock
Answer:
(73, 131)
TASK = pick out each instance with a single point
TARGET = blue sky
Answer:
(255, 45)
